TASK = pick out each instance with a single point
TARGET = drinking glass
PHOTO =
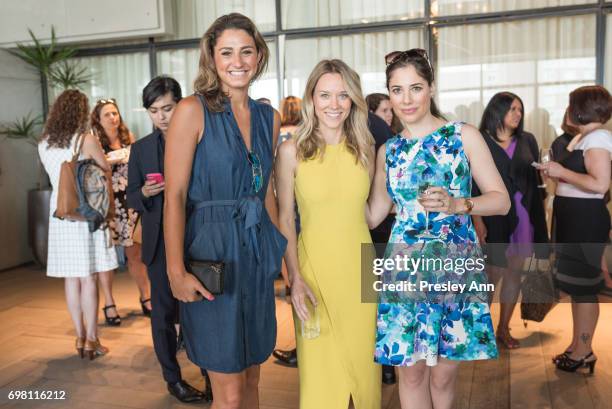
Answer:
(423, 193)
(311, 328)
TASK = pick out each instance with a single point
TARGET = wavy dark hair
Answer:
(207, 82)
(373, 100)
(493, 116)
(68, 116)
(423, 67)
(124, 132)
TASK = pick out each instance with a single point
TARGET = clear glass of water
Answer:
(310, 327)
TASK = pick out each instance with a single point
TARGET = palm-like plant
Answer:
(67, 75)
(42, 57)
(26, 128)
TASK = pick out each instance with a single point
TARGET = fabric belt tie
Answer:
(248, 210)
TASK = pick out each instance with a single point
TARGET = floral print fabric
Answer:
(424, 326)
(122, 225)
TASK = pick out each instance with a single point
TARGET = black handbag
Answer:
(539, 295)
(209, 273)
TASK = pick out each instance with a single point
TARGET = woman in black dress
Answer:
(582, 221)
(512, 236)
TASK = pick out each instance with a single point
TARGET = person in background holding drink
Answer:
(514, 151)
(145, 194)
(116, 139)
(327, 167)
(581, 219)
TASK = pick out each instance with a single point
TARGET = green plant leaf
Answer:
(68, 75)
(26, 128)
(41, 56)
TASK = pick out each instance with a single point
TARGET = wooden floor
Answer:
(36, 354)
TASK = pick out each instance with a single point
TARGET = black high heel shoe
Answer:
(112, 321)
(562, 356)
(145, 311)
(571, 365)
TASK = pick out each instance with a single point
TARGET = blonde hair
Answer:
(358, 139)
(207, 81)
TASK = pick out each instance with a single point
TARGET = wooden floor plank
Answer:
(36, 352)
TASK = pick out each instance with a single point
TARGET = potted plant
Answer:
(51, 62)
(27, 129)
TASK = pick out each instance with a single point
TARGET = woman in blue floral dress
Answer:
(426, 172)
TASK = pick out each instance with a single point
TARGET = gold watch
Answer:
(469, 205)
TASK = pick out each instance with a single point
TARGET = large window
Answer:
(321, 13)
(453, 7)
(363, 52)
(193, 17)
(608, 59)
(183, 66)
(530, 47)
(122, 77)
(541, 60)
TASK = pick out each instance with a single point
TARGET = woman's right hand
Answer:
(186, 288)
(299, 292)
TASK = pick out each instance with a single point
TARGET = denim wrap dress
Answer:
(227, 221)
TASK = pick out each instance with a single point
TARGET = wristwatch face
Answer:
(469, 204)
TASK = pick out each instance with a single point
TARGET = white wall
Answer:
(19, 94)
(83, 20)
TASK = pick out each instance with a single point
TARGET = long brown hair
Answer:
(68, 116)
(124, 132)
(359, 140)
(290, 110)
(419, 60)
(207, 81)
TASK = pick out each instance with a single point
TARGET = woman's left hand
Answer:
(437, 199)
(551, 169)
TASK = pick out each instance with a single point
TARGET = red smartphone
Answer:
(155, 177)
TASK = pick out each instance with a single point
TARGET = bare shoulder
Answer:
(89, 139)
(470, 132)
(277, 117)
(287, 149)
(190, 105)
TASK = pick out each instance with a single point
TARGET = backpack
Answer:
(85, 191)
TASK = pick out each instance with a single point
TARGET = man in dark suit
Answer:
(145, 195)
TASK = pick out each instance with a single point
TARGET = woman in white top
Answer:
(75, 253)
(581, 218)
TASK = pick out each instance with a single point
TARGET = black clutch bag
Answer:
(209, 273)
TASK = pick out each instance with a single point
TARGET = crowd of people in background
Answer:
(294, 195)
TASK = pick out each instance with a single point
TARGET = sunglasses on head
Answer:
(106, 101)
(396, 56)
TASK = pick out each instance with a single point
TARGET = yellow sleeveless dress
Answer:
(331, 195)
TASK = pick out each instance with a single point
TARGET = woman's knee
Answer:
(413, 376)
(229, 391)
(252, 377)
(443, 378)
(89, 281)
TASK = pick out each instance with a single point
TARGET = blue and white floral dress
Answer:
(423, 325)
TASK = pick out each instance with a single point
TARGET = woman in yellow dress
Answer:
(327, 167)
